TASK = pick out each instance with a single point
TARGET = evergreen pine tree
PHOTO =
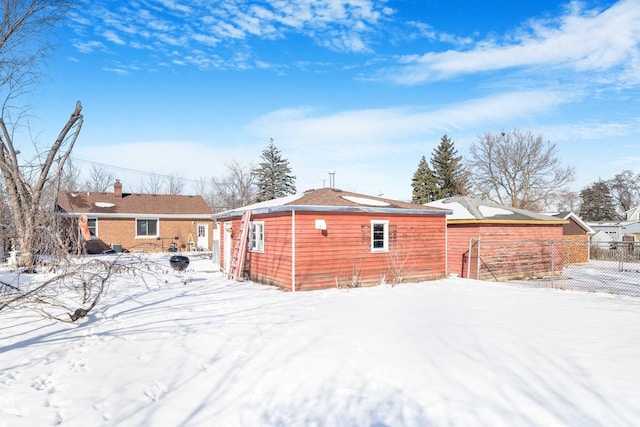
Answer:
(448, 170)
(273, 175)
(445, 178)
(424, 183)
(597, 203)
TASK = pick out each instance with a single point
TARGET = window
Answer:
(147, 228)
(256, 236)
(201, 230)
(379, 236)
(92, 223)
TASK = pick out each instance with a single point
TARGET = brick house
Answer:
(138, 222)
(488, 241)
(576, 234)
(332, 238)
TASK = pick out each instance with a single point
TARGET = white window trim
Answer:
(95, 235)
(148, 236)
(256, 245)
(385, 223)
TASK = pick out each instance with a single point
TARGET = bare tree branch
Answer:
(518, 169)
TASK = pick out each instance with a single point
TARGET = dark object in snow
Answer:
(79, 313)
(179, 262)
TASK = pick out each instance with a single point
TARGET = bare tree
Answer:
(518, 169)
(100, 179)
(70, 293)
(625, 190)
(24, 42)
(70, 179)
(568, 201)
(27, 196)
(152, 185)
(174, 185)
(237, 188)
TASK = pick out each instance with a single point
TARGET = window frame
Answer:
(256, 238)
(148, 236)
(93, 229)
(201, 227)
(385, 235)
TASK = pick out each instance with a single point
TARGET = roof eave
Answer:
(349, 209)
(508, 221)
(134, 215)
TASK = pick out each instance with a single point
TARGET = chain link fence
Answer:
(611, 267)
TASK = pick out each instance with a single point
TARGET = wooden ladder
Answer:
(240, 249)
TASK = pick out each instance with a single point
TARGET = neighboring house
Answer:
(139, 222)
(633, 214)
(576, 234)
(601, 236)
(618, 231)
(488, 241)
(332, 238)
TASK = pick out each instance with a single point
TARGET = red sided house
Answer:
(138, 222)
(487, 241)
(332, 238)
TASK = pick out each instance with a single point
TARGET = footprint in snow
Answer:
(103, 409)
(9, 377)
(155, 391)
(43, 382)
(54, 402)
(59, 418)
(78, 365)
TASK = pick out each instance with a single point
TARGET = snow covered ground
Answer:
(213, 352)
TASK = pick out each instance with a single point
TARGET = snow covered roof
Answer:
(331, 199)
(105, 204)
(468, 209)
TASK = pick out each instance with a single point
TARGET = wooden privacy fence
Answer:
(612, 267)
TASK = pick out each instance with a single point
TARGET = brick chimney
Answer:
(117, 189)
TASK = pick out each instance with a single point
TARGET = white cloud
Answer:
(113, 37)
(341, 25)
(580, 40)
(88, 46)
(372, 127)
(119, 71)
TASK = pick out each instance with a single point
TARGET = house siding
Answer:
(341, 255)
(573, 229)
(123, 231)
(505, 252)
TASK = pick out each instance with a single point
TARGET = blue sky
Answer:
(361, 87)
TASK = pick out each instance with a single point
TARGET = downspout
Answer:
(293, 250)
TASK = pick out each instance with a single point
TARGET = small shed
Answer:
(575, 234)
(489, 241)
(328, 238)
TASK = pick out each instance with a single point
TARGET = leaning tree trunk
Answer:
(26, 195)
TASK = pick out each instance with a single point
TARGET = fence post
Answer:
(620, 256)
(553, 261)
(469, 258)
(478, 261)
